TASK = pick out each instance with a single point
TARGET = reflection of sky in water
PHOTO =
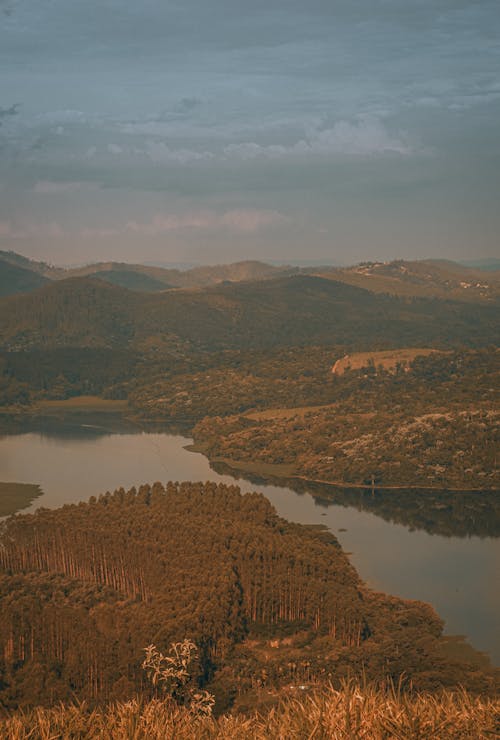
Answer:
(459, 576)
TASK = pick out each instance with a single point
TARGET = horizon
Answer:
(486, 263)
(347, 131)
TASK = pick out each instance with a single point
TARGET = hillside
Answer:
(424, 278)
(14, 279)
(18, 260)
(132, 280)
(74, 312)
(154, 278)
(432, 424)
(85, 588)
(286, 311)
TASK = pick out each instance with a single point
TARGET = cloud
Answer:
(13, 110)
(65, 116)
(51, 230)
(50, 187)
(114, 149)
(364, 137)
(160, 153)
(241, 221)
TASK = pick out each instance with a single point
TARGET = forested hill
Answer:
(16, 279)
(422, 278)
(85, 588)
(297, 310)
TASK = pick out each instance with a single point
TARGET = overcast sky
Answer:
(219, 130)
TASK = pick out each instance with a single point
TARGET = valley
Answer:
(360, 400)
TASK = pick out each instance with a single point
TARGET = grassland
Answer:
(17, 496)
(82, 403)
(352, 712)
(387, 359)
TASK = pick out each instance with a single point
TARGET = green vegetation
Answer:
(17, 496)
(269, 603)
(434, 424)
(85, 404)
(438, 278)
(351, 712)
(425, 278)
(131, 280)
(172, 674)
(298, 310)
(15, 279)
(242, 356)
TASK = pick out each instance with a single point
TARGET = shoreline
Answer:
(271, 471)
(282, 472)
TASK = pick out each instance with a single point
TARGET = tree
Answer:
(171, 673)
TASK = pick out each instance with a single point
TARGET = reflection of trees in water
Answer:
(85, 425)
(464, 514)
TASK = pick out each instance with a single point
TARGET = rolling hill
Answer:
(298, 310)
(132, 280)
(15, 279)
(424, 278)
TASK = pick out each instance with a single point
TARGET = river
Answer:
(443, 550)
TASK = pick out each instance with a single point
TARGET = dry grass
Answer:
(298, 412)
(82, 403)
(388, 359)
(353, 713)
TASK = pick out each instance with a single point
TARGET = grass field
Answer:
(17, 496)
(351, 713)
(82, 403)
(388, 359)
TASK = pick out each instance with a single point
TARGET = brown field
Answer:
(16, 496)
(389, 359)
(284, 413)
(82, 403)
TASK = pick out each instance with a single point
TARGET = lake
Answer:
(439, 548)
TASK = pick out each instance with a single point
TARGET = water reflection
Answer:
(439, 548)
(448, 514)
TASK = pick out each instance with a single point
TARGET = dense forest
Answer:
(291, 311)
(85, 588)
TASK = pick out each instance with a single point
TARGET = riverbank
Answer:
(17, 496)
(286, 474)
(73, 459)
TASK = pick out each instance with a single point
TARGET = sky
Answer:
(207, 131)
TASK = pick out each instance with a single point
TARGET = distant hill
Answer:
(73, 312)
(426, 278)
(483, 264)
(15, 279)
(297, 310)
(132, 280)
(236, 272)
(163, 277)
(18, 260)
(193, 278)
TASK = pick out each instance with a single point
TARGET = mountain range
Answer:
(426, 278)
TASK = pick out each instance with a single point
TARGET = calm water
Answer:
(459, 575)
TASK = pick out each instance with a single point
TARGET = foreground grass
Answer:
(351, 713)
